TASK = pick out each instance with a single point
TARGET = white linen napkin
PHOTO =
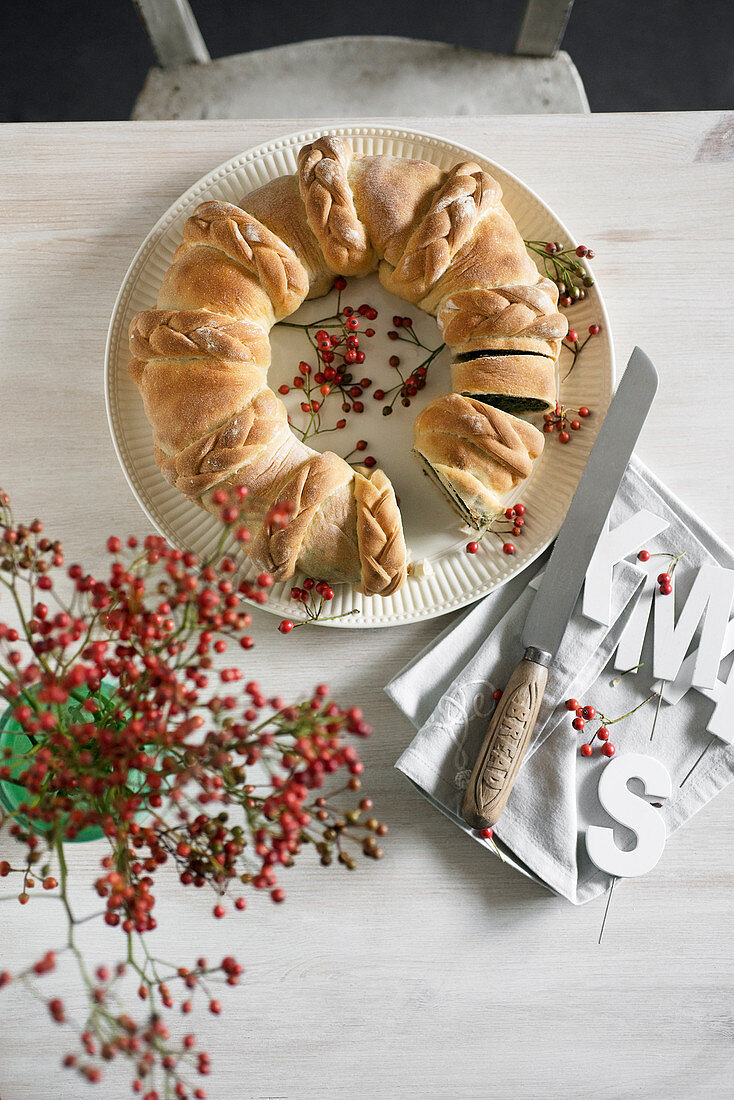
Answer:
(446, 692)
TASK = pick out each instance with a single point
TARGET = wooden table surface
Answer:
(437, 972)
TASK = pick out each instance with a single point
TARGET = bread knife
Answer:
(514, 717)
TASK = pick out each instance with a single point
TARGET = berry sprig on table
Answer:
(121, 724)
(665, 579)
(511, 521)
(564, 267)
(335, 342)
(585, 713)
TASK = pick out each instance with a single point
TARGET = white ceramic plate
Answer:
(433, 531)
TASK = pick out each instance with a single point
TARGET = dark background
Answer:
(87, 60)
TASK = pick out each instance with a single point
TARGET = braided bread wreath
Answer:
(439, 239)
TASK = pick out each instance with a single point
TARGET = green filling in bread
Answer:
(492, 353)
(510, 404)
(474, 519)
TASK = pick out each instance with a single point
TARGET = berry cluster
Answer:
(587, 713)
(664, 579)
(512, 521)
(563, 266)
(122, 722)
(576, 346)
(313, 596)
(559, 421)
(336, 344)
(335, 341)
(409, 385)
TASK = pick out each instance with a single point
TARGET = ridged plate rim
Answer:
(415, 601)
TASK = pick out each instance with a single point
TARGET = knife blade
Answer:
(558, 590)
(512, 722)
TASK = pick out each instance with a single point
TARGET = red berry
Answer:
(644, 555)
(219, 911)
(608, 749)
(663, 578)
(340, 282)
(379, 395)
(284, 389)
(487, 834)
(582, 250)
(578, 723)
(602, 733)
(370, 462)
(593, 330)
(573, 335)
(397, 321)
(369, 331)
(361, 445)
(575, 425)
(277, 895)
(563, 437)
(572, 704)
(584, 411)
(286, 626)
(519, 509)
(352, 323)
(114, 545)
(508, 548)
(666, 589)
(215, 1007)
(472, 547)
(497, 695)
(589, 713)
(550, 248)
(586, 750)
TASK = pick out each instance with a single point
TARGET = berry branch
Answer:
(563, 266)
(335, 343)
(120, 727)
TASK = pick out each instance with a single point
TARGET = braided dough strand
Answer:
(379, 533)
(323, 168)
(508, 317)
(197, 334)
(450, 222)
(246, 240)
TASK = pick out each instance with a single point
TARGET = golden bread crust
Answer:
(443, 240)
(479, 453)
(522, 379)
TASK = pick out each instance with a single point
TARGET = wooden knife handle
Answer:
(506, 740)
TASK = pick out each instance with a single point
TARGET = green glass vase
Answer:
(12, 792)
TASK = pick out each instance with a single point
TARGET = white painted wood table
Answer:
(437, 972)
